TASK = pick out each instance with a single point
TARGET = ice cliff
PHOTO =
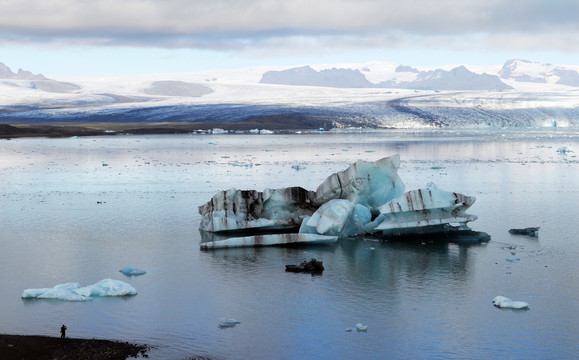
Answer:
(365, 198)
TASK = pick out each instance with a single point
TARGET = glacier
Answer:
(542, 95)
(367, 198)
(74, 292)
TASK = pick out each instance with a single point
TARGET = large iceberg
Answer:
(365, 198)
(74, 292)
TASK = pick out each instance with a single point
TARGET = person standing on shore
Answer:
(62, 331)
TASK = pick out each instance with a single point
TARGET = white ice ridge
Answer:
(268, 240)
(506, 303)
(74, 292)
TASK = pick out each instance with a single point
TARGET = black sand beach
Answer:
(44, 347)
(68, 129)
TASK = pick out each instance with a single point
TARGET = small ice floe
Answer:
(564, 150)
(298, 167)
(359, 328)
(228, 323)
(131, 271)
(502, 302)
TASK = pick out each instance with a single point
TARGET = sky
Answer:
(108, 37)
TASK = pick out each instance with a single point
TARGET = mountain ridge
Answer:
(7, 73)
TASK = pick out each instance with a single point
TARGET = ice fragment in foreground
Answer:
(505, 303)
(74, 292)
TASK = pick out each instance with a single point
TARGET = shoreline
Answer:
(69, 129)
(14, 347)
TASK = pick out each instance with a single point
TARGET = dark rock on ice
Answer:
(530, 231)
(313, 267)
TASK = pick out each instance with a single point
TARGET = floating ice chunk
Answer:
(358, 328)
(427, 207)
(340, 218)
(564, 150)
(73, 291)
(268, 240)
(364, 198)
(505, 303)
(131, 271)
(361, 327)
(65, 292)
(107, 287)
(228, 323)
(370, 184)
(233, 210)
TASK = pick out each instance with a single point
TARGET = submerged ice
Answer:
(74, 292)
(365, 198)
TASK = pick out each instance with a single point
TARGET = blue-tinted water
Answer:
(78, 210)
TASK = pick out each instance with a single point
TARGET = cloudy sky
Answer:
(98, 37)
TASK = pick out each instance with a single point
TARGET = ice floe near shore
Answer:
(74, 292)
(365, 198)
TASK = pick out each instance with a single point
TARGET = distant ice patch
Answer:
(131, 271)
(74, 292)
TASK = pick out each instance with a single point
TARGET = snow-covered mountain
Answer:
(372, 94)
(26, 79)
(7, 73)
(306, 76)
(459, 78)
(527, 71)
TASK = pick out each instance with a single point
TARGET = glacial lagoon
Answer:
(80, 209)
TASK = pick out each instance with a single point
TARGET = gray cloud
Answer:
(246, 24)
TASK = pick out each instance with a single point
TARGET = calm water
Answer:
(78, 210)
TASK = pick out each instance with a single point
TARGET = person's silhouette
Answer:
(62, 332)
